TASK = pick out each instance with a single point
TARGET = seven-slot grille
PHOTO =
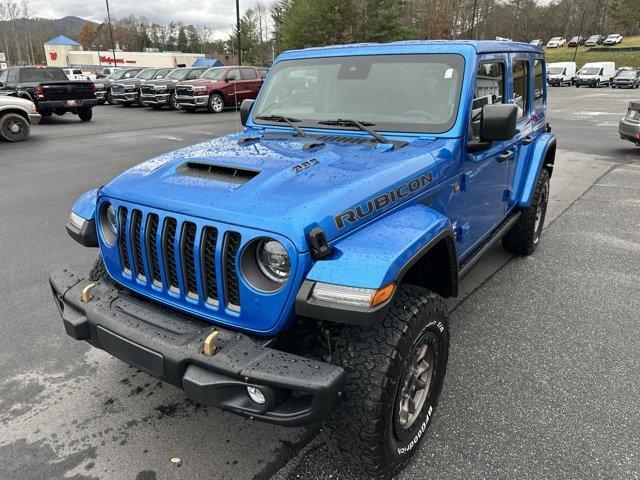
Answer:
(179, 257)
(184, 90)
(148, 89)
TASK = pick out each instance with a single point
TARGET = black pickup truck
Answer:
(50, 90)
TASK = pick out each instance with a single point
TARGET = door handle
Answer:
(527, 140)
(504, 156)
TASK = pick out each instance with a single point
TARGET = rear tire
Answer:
(395, 371)
(85, 114)
(524, 236)
(14, 127)
(215, 103)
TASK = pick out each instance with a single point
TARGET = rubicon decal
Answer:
(358, 212)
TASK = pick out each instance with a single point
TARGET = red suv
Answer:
(219, 87)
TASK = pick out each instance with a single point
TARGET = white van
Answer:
(561, 73)
(596, 74)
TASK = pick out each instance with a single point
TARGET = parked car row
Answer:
(578, 40)
(593, 74)
(189, 88)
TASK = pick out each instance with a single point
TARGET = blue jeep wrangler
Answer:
(296, 272)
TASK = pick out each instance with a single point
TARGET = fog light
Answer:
(256, 395)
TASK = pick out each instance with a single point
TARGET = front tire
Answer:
(215, 104)
(173, 101)
(395, 371)
(524, 236)
(85, 114)
(110, 100)
(14, 127)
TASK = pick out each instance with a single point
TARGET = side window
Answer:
(12, 79)
(233, 74)
(193, 74)
(4, 76)
(520, 71)
(248, 74)
(489, 89)
(538, 84)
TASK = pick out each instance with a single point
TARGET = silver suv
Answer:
(15, 116)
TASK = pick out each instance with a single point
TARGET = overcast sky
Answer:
(218, 15)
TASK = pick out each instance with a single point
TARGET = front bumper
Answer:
(587, 81)
(155, 99)
(34, 118)
(127, 97)
(63, 105)
(101, 94)
(169, 346)
(623, 84)
(194, 101)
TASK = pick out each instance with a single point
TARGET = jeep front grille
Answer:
(179, 256)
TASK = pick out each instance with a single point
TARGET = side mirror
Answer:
(245, 110)
(498, 122)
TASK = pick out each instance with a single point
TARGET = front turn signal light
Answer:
(382, 295)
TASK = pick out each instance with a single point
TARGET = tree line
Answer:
(265, 30)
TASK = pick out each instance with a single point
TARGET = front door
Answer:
(482, 204)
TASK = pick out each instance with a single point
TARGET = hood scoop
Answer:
(218, 173)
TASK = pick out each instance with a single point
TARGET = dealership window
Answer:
(538, 83)
(489, 89)
(520, 71)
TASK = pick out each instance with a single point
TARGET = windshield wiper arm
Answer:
(289, 120)
(364, 126)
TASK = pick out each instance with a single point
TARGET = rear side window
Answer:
(233, 74)
(538, 84)
(248, 74)
(489, 89)
(520, 72)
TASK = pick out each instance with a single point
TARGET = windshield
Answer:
(612, 37)
(555, 71)
(214, 73)
(31, 74)
(415, 93)
(117, 75)
(590, 71)
(627, 74)
(163, 73)
(554, 39)
(592, 38)
(178, 73)
(146, 74)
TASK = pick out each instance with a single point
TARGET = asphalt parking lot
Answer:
(542, 379)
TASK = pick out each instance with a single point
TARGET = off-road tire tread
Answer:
(98, 272)
(355, 430)
(519, 240)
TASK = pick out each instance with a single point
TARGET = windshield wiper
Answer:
(280, 118)
(364, 126)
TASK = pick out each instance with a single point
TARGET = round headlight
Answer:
(111, 219)
(108, 223)
(273, 260)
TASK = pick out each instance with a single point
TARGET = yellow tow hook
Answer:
(86, 293)
(209, 343)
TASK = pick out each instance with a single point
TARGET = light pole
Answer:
(238, 31)
(113, 45)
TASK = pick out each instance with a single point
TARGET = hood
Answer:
(161, 81)
(282, 187)
(200, 81)
(131, 81)
(20, 102)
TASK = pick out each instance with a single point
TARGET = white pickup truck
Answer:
(77, 74)
(15, 116)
